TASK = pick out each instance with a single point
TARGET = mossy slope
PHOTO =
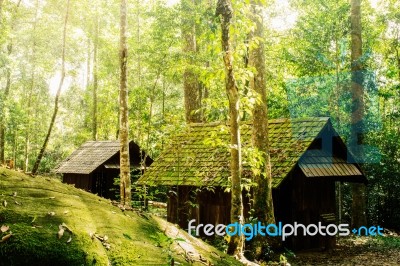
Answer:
(34, 208)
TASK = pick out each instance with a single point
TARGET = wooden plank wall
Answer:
(311, 197)
(299, 199)
(84, 182)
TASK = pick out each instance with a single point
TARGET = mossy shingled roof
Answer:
(88, 157)
(200, 155)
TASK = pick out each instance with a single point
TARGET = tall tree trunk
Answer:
(88, 70)
(337, 90)
(28, 121)
(88, 62)
(139, 134)
(125, 175)
(262, 193)
(224, 8)
(14, 148)
(95, 79)
(3, 107)
(398, 62)
(53, 118)
(30, 92)
(1, 10)
(358, 190)
(191, 86)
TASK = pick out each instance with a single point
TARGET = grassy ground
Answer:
(34, 210)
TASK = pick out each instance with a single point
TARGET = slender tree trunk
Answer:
(95, 79)
(163, 111)
(398, 62)
(88, 70)
(14, 148)
(28, 121)
(139, 126)
(262, 193)
(1, 10)
(139, 76)
(53, 118)
(26, 151)
(3, 106)
(397, 95)
(224, 8)
(337, 87)
(191, 84)
(125, 175)
(88, 62)
(30, 92)
(358, 190)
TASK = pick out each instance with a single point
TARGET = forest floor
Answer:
(382, 251)
(45, 222)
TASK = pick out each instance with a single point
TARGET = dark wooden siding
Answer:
(99, 182)
(215, 207)
(84, 182)
(183, 205)
(299, 199)
(94, 176)
(304, 200)
(104, 183)
(205, 206)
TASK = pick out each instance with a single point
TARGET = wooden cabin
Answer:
(307, 158)
(95, 164)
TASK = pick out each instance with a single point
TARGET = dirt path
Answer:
(354, 251)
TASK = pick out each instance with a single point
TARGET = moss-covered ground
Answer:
(94, 232)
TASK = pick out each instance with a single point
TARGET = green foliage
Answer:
(384, 183)
(166, 242)
(319, 41)
(218, 242)
(283, 259)
(384, 242)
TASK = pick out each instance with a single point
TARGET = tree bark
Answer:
(1, 10)
(125, 175)
(358, 190)
(30, 92)
(28, 108)
(56, 100)
(95, 79)
(262, 193)
(398, 62)
(3, 107)
(191, 86)
(224, 8)
(139, 127)
(88, 62)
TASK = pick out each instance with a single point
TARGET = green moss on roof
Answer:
(200, 155)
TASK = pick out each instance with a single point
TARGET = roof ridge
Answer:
(101, 141)
(214, 123)
(273, 120)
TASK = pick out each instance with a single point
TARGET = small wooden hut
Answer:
(95, 164)
(307, 158)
